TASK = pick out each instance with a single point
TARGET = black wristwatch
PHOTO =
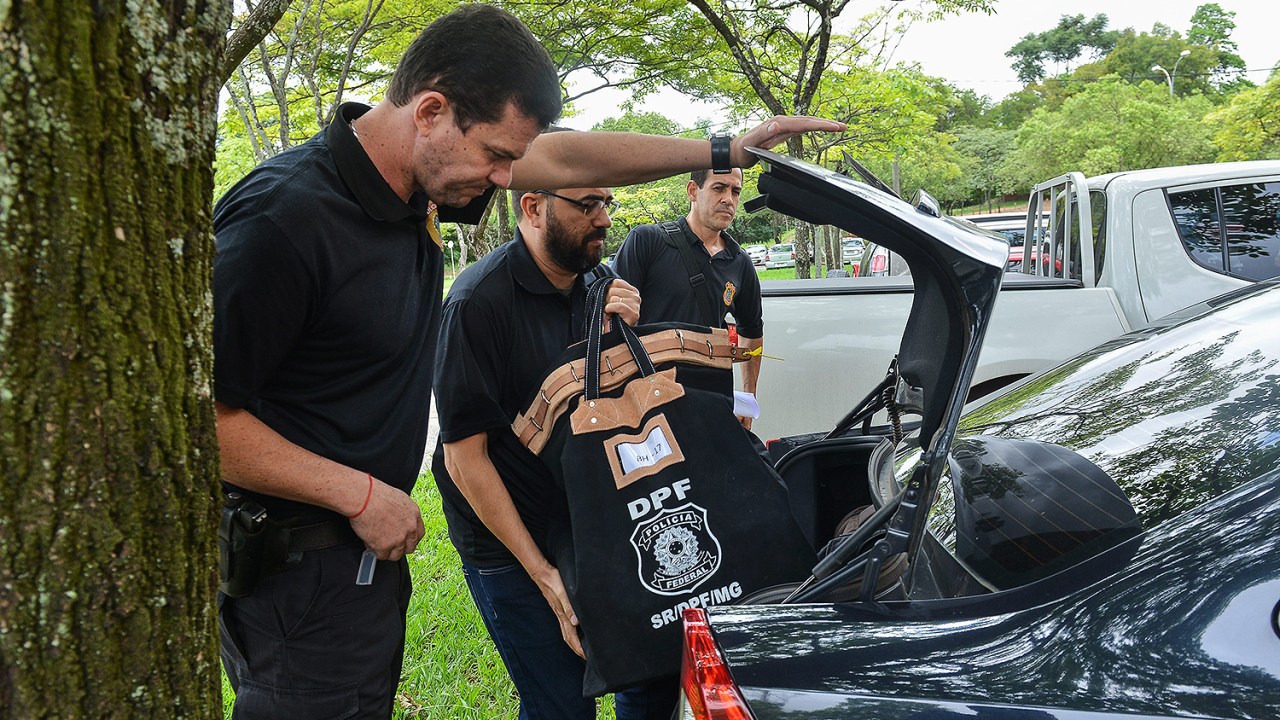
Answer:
(720, 162)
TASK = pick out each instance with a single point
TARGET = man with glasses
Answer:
(506, 319)
(326, 294)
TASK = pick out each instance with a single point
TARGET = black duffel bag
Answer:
(670, 506)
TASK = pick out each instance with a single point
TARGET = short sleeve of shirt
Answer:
(468, 384)
(262, 293)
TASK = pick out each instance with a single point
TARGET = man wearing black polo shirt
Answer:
(651, 261)
(326, 294)
(506, 320)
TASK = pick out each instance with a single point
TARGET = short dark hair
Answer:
(699, 177)
(481, 58)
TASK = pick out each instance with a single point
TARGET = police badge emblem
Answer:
(729, 291)
(676, 551)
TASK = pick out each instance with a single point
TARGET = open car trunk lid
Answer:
(957, 273)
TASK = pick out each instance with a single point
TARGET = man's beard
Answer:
(571, 254)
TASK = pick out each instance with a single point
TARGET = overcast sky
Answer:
(968, 50)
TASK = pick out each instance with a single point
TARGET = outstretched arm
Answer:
(588, 159)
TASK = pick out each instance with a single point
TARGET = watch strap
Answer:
(720, 162)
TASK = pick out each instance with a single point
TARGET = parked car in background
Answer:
(1041, 255)
(756, 252)
(1104, 543)
(1012, 224)
(780, 255)
(851, 250)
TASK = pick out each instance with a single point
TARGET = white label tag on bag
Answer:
(645, 453)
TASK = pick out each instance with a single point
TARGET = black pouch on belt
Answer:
(251, 546)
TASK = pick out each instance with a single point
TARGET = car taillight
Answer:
(878, 262)
(709, 690)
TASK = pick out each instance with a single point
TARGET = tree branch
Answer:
(255, 27)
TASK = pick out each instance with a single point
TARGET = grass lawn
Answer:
(781, 273)
(451, 669)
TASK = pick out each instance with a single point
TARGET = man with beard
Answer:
(506, 319)
(723, 279)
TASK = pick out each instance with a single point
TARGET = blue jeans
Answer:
(546, 673)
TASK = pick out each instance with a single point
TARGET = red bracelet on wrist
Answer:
(367, 495)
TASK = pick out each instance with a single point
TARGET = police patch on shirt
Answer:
(433, 225)
(676, 550)
(729, 291)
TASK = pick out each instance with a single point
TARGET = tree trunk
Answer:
(108, 454)
(803, 237)
(502, 198)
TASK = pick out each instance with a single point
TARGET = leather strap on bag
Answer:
(615, 367)
(703, 293)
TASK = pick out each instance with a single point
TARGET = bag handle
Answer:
(596, 296)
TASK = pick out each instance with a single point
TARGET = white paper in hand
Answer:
(745, 405)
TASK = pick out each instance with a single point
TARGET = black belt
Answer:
(321, 535)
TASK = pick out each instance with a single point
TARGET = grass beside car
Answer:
(788, 273)
(451, 669)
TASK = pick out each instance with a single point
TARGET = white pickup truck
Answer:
(1127, 248)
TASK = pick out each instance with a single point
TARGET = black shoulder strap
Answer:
(702, 292)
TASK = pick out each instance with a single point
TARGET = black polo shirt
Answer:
(504, 325)
(326, 292)
(659, 273)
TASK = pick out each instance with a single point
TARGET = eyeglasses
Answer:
(589, 207)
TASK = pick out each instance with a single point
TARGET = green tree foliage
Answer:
(931, 164)
(1211, 27)
(1111, 125)
(1063, 44)
(1136, 54)
(983, 152)
(1016, 107)
(1248, 127)
(602, 45)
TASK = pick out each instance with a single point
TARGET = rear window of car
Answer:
(1233, 229)
(1175, 416)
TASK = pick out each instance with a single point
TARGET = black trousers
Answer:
(310, 643)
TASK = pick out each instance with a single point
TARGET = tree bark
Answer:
(108, 454)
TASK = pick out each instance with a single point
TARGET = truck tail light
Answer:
(878, 261)
(709, 690)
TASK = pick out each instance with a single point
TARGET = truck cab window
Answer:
(1196, 214)
(1252, 220)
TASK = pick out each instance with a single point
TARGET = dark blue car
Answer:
(1103, 541)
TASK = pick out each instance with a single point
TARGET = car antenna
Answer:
(867, 176)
